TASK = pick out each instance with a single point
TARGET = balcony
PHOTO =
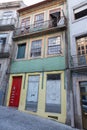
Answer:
(5, 51)
(4, 54)
(7, 24)
(78, 61)
(40, 28)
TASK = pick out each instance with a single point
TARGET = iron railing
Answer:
(40, 26)
(5, 51)
(78, 60)
(7, 21)
(4, 54)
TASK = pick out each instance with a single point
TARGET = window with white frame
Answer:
(7, 14)
(80, 12)
(81, 45)
(36, 47)
(3, 38)
(54, 45)
(53, 93)
(25, 22)
(39, 19)
(82, 49)
(0, 66)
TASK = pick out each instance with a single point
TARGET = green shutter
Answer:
(21, 51)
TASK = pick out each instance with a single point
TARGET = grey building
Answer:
(77, 10)
(8, 22)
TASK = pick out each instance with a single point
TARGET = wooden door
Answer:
(83, 90)
(15, 91)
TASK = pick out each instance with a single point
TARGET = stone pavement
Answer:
(11, 119)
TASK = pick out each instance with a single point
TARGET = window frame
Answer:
(42, 48)
(39, 88)
(55, 10)
(46, 51)
(25, 20)
(76, 7)
(63, 95)
(2, 36)
(38, 21)
(81, 45)
(17, 51)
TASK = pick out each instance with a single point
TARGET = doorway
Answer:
(83, 94)
(15, 91)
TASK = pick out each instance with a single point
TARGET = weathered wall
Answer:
(37, 65)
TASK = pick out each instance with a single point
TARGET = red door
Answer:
(15, 91)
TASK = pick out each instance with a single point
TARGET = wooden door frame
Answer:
(79, 96)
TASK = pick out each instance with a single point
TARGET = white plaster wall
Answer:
(77, 27)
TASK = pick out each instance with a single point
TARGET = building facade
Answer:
(8, 22)
(77, 11)
(37, 76)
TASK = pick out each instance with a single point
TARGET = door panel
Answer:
(15, 91)
(83, 90)
(32, 93)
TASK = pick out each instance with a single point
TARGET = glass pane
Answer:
(32, 93)
(83, 90)
(53, 41)
(83, 87)
(54, 50)
(36, 48)
(53, 93)
(81, 60)
(84, 103)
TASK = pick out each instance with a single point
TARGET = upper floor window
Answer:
(3, 38)
(80, 12)
(21, 51)
(8, 14)
(81, 45)
(36, 48)
(25, 22)
(39, 19)
(54, 45)
(54, 17)
(0, 66)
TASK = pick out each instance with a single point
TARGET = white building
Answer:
(77, 10)
(8, 22)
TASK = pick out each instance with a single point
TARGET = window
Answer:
(32, 93)
(53, 93)
(25, 22)
(81, 45)
(82, 49)
(36, 48)
(80, 12)
(8, 14)
(54, 17)
(21, 51)
(0, 66)
(3, 38)
(54, 46)
(39, 19)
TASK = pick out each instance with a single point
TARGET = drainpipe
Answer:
(70, 78)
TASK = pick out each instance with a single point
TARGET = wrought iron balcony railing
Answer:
(9, 22)
(40, 26)
(4, 54)
(5, 51)
(78, 60)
